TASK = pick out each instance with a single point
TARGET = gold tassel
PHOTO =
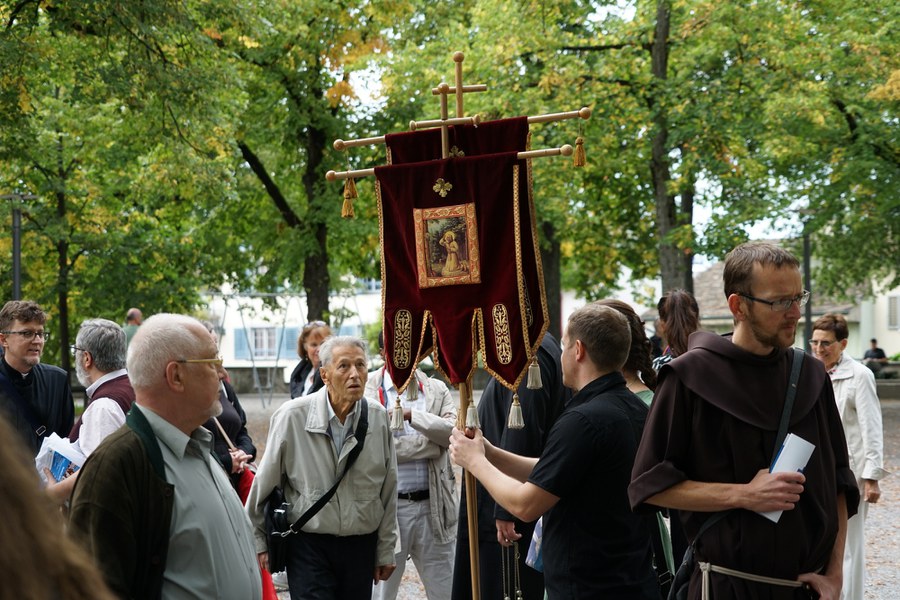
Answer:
(349, 195)
(516, 421)
(397, 416)
(472, 418)
(412, 390)
(534, 375)
(579, 159)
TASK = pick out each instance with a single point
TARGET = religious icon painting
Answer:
(447, 245)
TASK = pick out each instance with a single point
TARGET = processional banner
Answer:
(460, 263)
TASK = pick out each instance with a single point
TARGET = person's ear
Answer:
(738, 307)
(175, 375)
(579, 351)
(843, 344)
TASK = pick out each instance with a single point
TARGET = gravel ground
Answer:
(882, 525)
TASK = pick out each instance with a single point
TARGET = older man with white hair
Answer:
(351, 541)
(152, 505)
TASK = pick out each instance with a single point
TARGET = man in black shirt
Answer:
(875, 358)
(35, 399)
(593, 545)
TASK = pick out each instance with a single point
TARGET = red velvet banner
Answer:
(460, 267)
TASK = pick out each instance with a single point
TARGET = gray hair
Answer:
(328, 346)
(161, 339)
(106, 342)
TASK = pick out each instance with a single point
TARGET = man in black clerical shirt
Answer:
(35, 398)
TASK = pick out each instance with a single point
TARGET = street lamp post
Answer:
(17, 241)
(807, 283)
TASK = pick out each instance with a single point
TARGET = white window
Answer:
(264, 344)
(893, 312)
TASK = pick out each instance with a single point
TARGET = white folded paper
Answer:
(59, 455)
(793, 456)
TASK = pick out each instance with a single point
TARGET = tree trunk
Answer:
(671, 262)
(687, 217)
(62, 263)
(316, 279)
(551, 259)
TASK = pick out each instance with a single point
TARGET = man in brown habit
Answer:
(710, 435)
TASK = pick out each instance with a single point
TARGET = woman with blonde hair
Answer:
(37, 560)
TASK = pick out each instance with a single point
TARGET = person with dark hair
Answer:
(36, 559)
(498, 528)
(230, 426)
(640, 378)
(874, 357)
(152, 505)
(100, 349)
(860, 410)
(593, 545)
(34, 397)
(305, 378)
(679, 317)
(711, 437)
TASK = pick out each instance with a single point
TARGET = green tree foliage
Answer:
(176, 146)
(99, 103)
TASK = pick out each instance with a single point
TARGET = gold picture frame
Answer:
(447, 245)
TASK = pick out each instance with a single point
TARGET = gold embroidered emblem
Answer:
(442, 187)
(529, 315)
(502, 339)
(402, 339)
(456, 152)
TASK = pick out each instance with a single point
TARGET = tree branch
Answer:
(272, 189)
(19, 8)
(881, 150)
(605, 47)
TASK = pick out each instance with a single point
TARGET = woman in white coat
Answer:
(857, 402)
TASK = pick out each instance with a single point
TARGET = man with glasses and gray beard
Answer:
(34, 398)
(99, 350)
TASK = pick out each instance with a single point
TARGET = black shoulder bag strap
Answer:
(782, 429)
(27, 409)
(362, 427)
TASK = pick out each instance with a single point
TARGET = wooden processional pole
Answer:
(465, 388)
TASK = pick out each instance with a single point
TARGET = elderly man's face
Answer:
(346, 374)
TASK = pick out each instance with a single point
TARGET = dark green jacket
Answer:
(121, 509)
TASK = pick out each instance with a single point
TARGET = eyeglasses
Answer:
(217, 361)
(29, 334)
(75, 349)
(824, 343)
(312, 324)
(781, 305)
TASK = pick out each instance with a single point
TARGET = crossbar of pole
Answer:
(564, 150)
(581, 113)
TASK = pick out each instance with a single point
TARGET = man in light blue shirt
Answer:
(152, 504)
